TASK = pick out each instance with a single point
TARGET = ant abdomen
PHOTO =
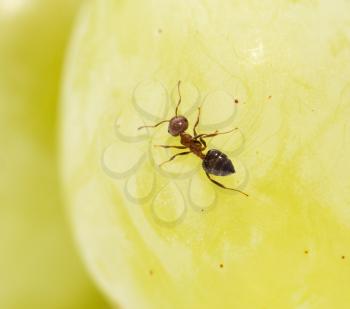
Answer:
(217, 163)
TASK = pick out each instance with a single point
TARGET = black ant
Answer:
(214, 162)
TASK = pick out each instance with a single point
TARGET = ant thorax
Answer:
(186, 139)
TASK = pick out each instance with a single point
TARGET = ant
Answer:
(214, 162)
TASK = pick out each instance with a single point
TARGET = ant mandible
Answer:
(214, 162)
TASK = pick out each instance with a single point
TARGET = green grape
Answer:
(168, 238)
(39, 265)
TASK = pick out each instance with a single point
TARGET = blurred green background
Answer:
(39, 265)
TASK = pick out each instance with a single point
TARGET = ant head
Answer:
(177, 125)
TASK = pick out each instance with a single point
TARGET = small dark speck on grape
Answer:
(236, 101)
(221, 265)
(343, 257)
(270, 97)
(306, 251)
(151, 272)
(160, 31)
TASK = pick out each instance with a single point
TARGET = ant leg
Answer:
(174, 156)
(178, 103)
(213, 134)
(197, 121)
(203, 143)
(153, 126)
(222, 186)
(170, 146)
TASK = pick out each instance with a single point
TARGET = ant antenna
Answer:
(153, 126)
(178, 103)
